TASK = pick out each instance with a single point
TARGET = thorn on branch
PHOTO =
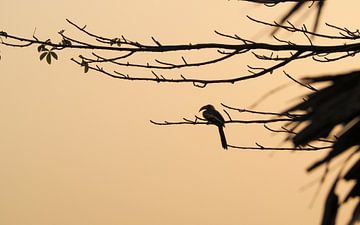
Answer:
(308, 86)
(228, 115)
(183, 59)
(157, 77)
(156, 42)
(121, 74)
(260, 146)
(123, 37)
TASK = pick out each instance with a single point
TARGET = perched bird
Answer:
(214, 117)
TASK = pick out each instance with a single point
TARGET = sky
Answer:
(79, 149)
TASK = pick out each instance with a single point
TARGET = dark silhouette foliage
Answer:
(325, 109)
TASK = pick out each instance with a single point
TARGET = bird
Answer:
(214, 117)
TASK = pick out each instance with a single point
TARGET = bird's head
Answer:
(206, 107)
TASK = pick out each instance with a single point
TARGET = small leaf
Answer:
(48, 58)
(54, 55)
(86, 67)
(42, 56)
(66, 42)
(42, 48)
(112, 41)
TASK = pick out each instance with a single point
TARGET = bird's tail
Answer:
(222, 137)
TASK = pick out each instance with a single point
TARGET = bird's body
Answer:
(214, 117)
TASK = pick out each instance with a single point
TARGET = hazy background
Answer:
(78, 149)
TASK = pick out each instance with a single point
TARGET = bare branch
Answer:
(261, 148)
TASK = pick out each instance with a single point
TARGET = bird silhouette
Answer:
(214, 117)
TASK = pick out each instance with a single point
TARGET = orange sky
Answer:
(78, 149)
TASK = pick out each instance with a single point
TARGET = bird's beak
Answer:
(202, 108)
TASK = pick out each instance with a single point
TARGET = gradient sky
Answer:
(78, 149)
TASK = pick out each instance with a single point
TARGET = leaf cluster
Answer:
(46, 52)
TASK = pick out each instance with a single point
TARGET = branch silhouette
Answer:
(125, 49)
(309, 124)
